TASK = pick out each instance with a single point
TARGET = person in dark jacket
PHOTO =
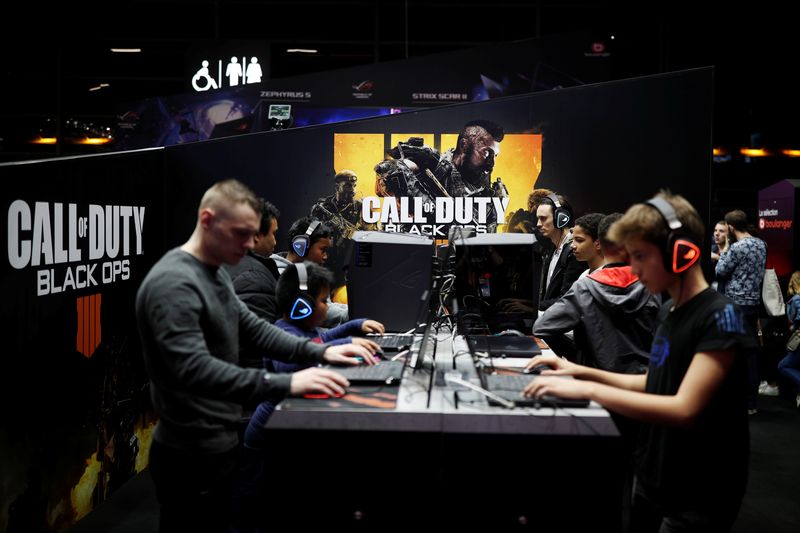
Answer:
(255, 276)
(554, 218)
(610, 310)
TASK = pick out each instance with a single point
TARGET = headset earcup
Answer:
(562, 218)
(684, 253)
(301, 308)
(300, 245)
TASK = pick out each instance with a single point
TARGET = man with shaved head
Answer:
(190, 322)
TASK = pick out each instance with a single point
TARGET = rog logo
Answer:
(364, 86)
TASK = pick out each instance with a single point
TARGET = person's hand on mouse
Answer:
(372, 346)
(318, 380)
(559, 366)
(348, 354)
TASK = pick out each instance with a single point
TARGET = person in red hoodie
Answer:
(610, 310)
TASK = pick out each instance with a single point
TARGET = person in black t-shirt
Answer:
(693, 448)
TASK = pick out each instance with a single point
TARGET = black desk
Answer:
(441, 465)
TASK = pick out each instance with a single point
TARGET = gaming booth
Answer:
(419, 444)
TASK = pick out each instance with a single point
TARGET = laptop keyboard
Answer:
(393, 341)
(385, 372)
(510, 382)
(510, 387)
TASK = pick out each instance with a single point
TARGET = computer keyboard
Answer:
(393, 341)
(383, 373)
(507, 382)
(510, 387)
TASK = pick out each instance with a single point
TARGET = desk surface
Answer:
(425, 406)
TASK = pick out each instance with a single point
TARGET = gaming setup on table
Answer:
(482, 287)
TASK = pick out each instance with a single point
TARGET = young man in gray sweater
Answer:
(190, 322)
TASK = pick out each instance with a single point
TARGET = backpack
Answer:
(771, 294)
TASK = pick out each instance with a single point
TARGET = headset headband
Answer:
(554, 199)
(312, 227)
(680, 251)
(667, 212)
(302, 277)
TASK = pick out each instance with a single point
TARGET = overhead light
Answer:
(43, 140)
(791, 153)
(754, 152)
(126, 50)
(98, 87)
(92, 140)
(301, 50)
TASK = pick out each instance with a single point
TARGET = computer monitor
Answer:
(279, 112)
(495, 283)
(387, 277)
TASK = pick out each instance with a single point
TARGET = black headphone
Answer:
(303, 304)
(561, 215)
(301, 243)
(680, 251)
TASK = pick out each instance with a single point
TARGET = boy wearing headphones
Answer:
(693, 447)
(302, 296)
(310, 239)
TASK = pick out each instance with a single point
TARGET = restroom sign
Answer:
(230, 72)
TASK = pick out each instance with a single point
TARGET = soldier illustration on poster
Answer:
(340, 211)
(415, 170)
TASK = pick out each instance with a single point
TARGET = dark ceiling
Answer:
(54, 55)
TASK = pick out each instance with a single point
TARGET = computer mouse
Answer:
(512, 332)
(536, 370)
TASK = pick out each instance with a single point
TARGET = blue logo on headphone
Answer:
(299, 246)
(300, 310)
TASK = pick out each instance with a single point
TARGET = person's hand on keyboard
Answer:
(373, 326)
(372, 346)
(572, 389)
(318, 381)
(349, 354)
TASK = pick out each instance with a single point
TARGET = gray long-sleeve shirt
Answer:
(190, 321)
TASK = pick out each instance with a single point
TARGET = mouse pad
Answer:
(504, 345)
(357, 397)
